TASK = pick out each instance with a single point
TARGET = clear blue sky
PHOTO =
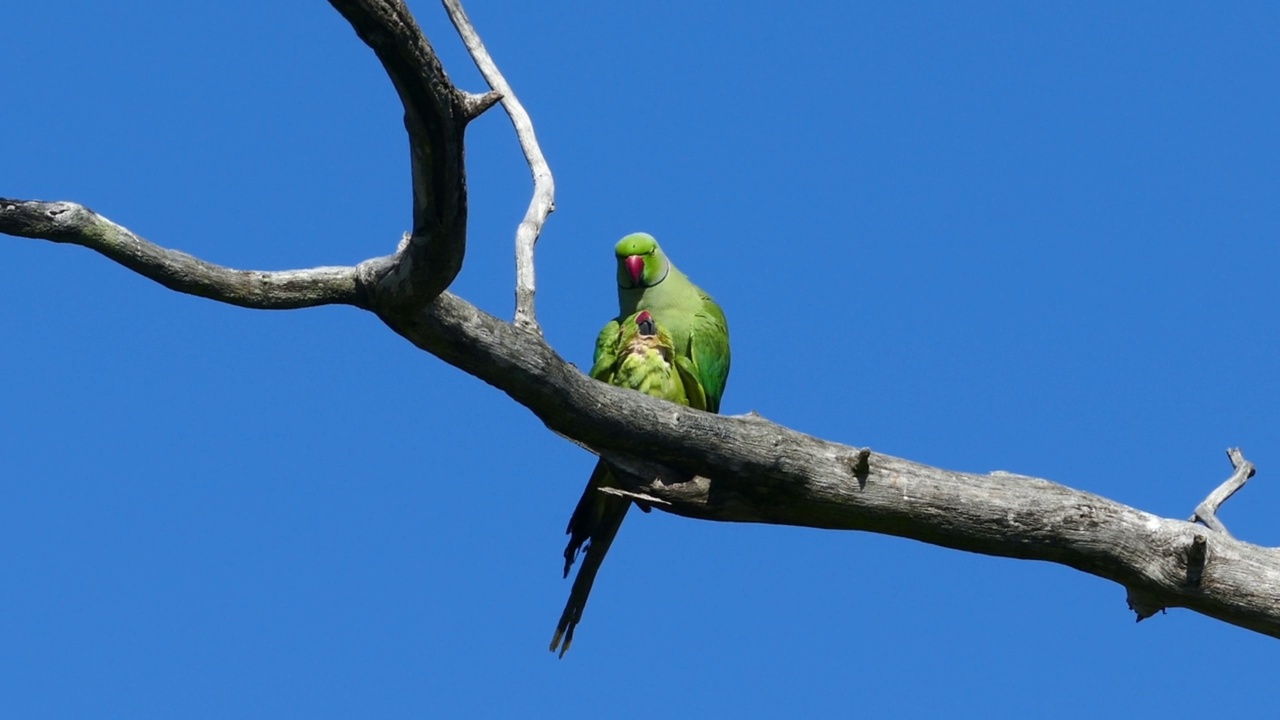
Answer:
(1038, 238)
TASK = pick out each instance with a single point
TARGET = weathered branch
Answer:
(65, 222)
(435, 115)
(738, 469)
(1207, 511)
(544, 189)
(747, 469)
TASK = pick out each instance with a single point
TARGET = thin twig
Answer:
(1207, 511)
(544, 189)
(66, 222)
(640, 497)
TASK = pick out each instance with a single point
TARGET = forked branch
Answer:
(435, 115)
(1207, 511)
(737, 469)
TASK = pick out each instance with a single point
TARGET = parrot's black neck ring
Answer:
(666, 270)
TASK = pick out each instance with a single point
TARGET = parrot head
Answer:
(645, 324)
(641, 263)
(641, 334)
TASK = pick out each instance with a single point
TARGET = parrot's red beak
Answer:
(635, 268)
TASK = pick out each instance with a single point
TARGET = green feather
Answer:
(636, 353)
(685, 360)
(697, 324)
(606, 351)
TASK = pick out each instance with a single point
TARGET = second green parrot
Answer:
(638, 354)
(692, 341)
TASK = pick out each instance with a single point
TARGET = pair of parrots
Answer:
(670, 340)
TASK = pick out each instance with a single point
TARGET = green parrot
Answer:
(648, 281)
(696, 347)
(640, 355)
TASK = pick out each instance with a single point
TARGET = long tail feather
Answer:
(587, 514)
(609, 512)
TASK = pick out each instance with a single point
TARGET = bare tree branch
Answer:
(66, 222)
(747, 469)
(692, 463)
(544, 188)
(435, 116)
(1207, 511)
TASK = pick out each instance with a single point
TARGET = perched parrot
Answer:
(640, 355)
(648, 281)
(697, 347)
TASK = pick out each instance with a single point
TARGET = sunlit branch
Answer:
(65, 222)
(1207, 511)
(544, 190)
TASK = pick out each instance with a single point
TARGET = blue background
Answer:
(1039, 238)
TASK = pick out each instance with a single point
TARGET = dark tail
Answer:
(587, 515)
(595, 522)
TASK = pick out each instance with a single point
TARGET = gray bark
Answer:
(691, 463)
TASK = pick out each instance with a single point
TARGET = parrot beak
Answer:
(635, 268)
(645, 324)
